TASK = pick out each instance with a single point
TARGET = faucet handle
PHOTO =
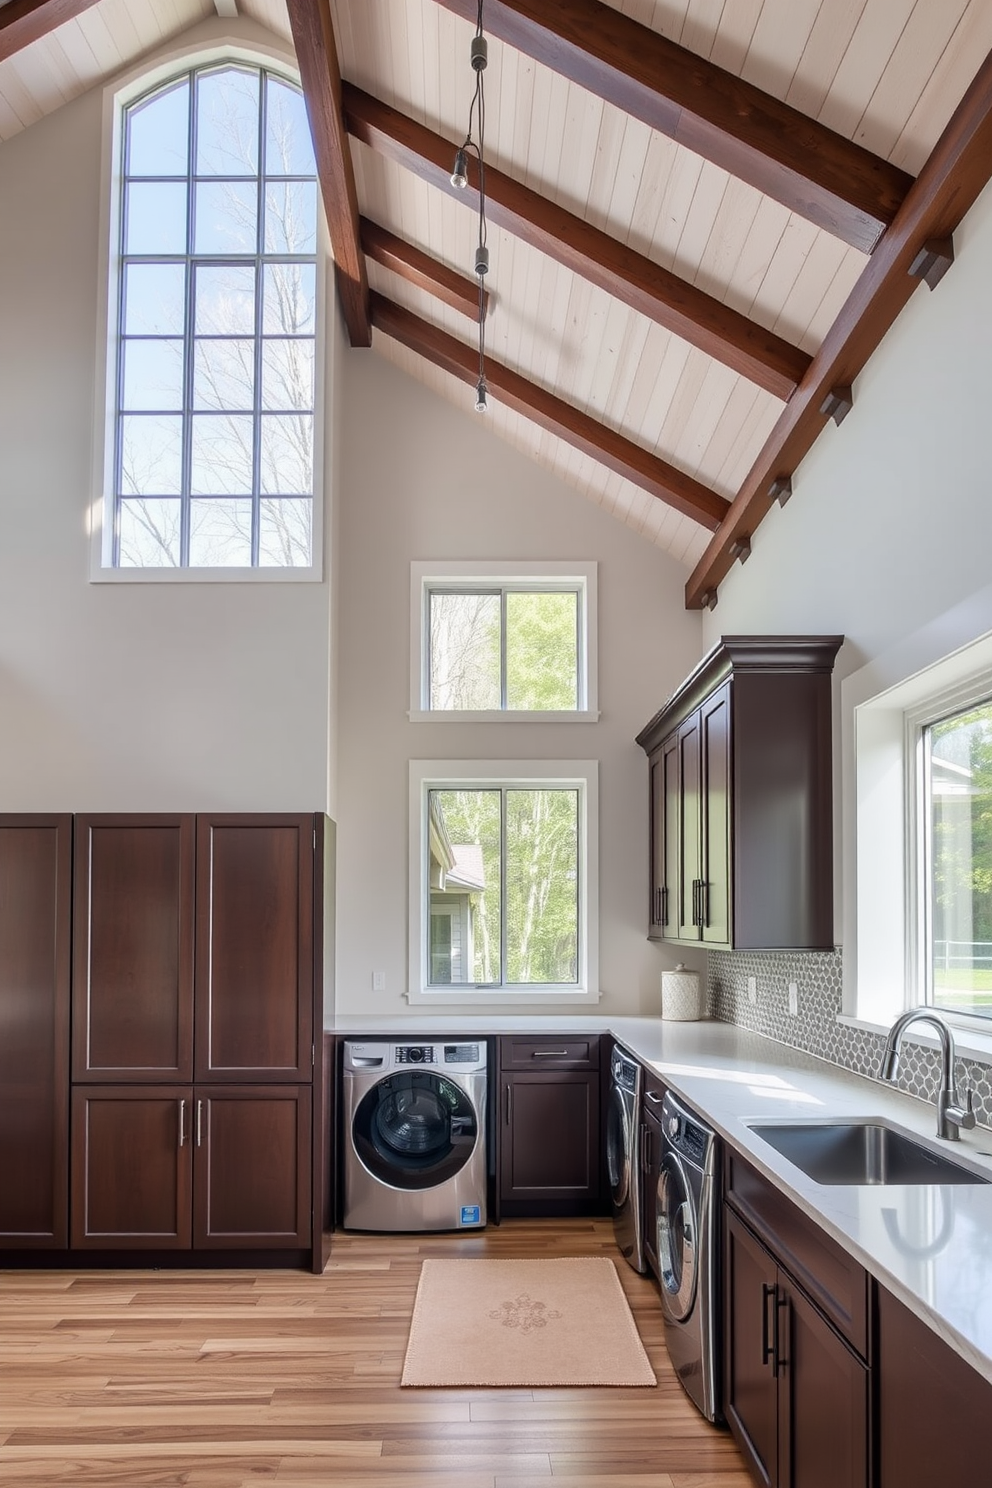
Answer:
(964, 1116)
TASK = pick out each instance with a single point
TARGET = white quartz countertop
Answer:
(930, 1245)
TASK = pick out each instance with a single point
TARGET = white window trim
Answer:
(214, 42)
(581, 774)
(884, 707)
(500, 571)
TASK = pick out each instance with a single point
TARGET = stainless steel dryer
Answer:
(687, 1213)
(623, 1156)
(415, 1125)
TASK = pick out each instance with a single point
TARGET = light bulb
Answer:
(480, 396)
(459, 175)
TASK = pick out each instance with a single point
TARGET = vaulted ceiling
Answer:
(704, 215)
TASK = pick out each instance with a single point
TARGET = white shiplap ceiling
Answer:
(886, 74)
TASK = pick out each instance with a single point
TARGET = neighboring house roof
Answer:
(469, 870)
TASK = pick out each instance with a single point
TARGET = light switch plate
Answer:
(378, 981)
(752, 990)
(794, 999)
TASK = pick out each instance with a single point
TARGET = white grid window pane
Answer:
(227, 123)
(287, 374)
(224, 375)
(220, 534)
(154, 299)
(287, 454)
(151, 455)
(224, 303)
(288, 149)
(291, 217)
(155, 217)
(158, 134)
(226, 215)
(285, 537)
(289, 299)
(153, 376)
(149, 532)
(221, 455)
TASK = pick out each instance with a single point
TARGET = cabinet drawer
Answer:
(832, 1278)
(574, 1051)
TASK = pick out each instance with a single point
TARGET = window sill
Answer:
(502, 715)
(205, 575)
(465, 998)
(969, 1043)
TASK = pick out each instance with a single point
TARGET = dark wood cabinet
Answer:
(254, 947)
(132, 1003)
(548, 1121)
(933, 1409)
(164, 1167)
(35, 923)
(740, 798)
(193, 1024)
(796, 1390)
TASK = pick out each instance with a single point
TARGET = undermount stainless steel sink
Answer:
(861, 1153)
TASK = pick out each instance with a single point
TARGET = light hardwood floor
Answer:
(153, 1379)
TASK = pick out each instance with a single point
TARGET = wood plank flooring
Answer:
(156, 1379)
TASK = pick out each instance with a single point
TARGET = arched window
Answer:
(214, 433)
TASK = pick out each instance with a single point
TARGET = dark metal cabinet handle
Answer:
(781, 1305)
(655, 1100)
(509, 1099)
(199, 1123)
(704, 901)
(549, 1054)
(768, 1338)
(664, 905)
(182, 1123)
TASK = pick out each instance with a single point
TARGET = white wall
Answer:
(122, 697)
(891, 517)
(424, 480)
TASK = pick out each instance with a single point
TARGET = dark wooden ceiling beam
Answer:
(748, 348)
(419, 268)
(25, 21)
(947, 187)
(824, 177)
(535, 403)
(320, 74)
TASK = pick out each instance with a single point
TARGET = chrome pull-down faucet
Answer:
(952, 1116)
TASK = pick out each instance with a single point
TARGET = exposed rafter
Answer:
(570, 424)
(419, 268)
(723, 333)
(805, 166)
(24, 21)
(947, 187)
(313, 38)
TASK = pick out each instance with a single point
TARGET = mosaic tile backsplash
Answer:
(816, 1030)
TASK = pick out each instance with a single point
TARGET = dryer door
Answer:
(678, 1238)
(415, 1129)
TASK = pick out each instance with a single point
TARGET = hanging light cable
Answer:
(459, 177)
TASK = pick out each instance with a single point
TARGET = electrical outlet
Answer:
(378, 981)
(752, 990)
(794, 999)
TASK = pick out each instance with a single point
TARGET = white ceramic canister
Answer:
(682, 998)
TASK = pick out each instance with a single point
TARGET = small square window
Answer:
(503, 642)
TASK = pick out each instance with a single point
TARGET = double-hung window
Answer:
(212, 465)
(502, 873)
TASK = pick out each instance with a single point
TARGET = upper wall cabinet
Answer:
(740, 798)
(193, 948)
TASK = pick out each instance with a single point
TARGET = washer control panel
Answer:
(414, 1054)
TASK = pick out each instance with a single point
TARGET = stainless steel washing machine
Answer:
(687, 1210)
(415, 1135)
(623, 1156)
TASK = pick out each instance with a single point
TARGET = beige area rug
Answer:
(558, 1322)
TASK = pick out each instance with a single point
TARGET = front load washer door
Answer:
(677, 1239)
(617, 1148)
(415, 1129)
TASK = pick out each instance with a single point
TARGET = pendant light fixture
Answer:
(459, 178)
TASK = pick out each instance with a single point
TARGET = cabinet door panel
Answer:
(132, 1015)
(131, 1167)
(254, 955)
(35, 918)
(714, 726)
(751, 1388)
(253, 1167)
(823, 1410)
(550, 1136)
(690, 786)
